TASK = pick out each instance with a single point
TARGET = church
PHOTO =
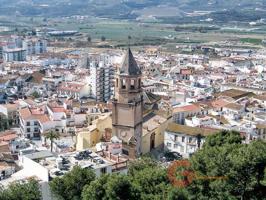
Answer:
(138, 118)
(127, 117)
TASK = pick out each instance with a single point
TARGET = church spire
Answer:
(129, 65)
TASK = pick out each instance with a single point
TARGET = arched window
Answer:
(123, 84)
(132, 84)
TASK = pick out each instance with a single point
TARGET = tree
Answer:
(150, 183)
(225, 168)
(70, 186)
(33, 32)
(89, 38)
(52, 135)
(21, 191)
(119, 187)
(4, 123)
(223, 137)
(103, 38)
(177, 194)
(140, 164)
(129, 38)
(35, 95)
(109, 187)
(247, 173)
(146, 181)
(96, 190)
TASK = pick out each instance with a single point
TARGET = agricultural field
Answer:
(117, 32)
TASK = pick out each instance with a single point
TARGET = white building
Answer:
(10, 111)
(205, 121)
(44, 165)
(183, 111)
(233, 111)
(15, 54)
(75, 90)
(34, 46)
(51, 82)
(101, 80)
(33, 122)
(185, 140)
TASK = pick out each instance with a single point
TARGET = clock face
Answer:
(123, 133)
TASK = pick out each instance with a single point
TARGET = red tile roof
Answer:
(219, 103)
(8, 136)
(34, 114)
(74, 87)
(186, 71)
(187, 108)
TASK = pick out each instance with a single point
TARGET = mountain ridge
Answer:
(120, 8)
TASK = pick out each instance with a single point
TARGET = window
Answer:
(176, 137)
(139, 83)
(28, 123)
(169, 144)
(28, 130)
(181, 149)
(123, 84)
(36, 129)
(183, 138)
(132, 84)
(36, 123)
(175, 146)
(124, 151)
(103, 170)
(190, 140)
(117, 82)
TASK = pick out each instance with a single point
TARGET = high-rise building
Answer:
(34, 46)
(101, 80)
(84, 61)
(16, 54)
(127, 114)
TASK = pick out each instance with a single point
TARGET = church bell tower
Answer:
(127, 114)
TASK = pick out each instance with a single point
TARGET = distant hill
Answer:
(126, 9)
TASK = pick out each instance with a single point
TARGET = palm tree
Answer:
(52, 135)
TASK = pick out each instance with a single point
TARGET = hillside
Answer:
(125, 9)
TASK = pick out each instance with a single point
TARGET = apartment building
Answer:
(32, 122)
(101, 80)
(183, 111)
(34, 46)
(14, 54)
